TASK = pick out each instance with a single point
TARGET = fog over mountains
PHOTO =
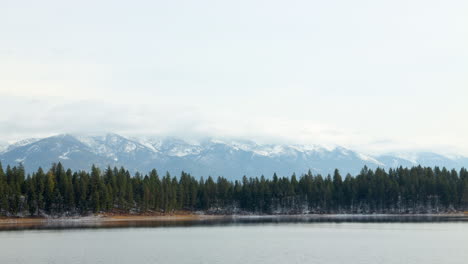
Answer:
(228, 158)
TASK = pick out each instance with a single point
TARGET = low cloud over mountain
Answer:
(229, 158)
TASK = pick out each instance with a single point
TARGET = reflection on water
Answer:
(234, 220)
(247, 241)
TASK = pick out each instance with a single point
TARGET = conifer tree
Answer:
(3, 191)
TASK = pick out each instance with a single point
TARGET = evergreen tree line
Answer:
(63, 192)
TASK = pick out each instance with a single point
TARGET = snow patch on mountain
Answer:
(154, 144)
(64, 155)
(370, 159)
(20, 160)
(33, 148)
(110, 145)
(409, 156)
(3, 146)
(20, 143)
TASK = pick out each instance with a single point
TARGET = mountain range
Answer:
(211, 157)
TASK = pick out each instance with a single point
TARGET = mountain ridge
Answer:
(209, 157)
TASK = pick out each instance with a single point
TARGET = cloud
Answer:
(24, 117)
(385, 76)
(42, 116)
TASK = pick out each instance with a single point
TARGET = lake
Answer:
(243, 242)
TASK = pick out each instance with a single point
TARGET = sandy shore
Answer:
(110, 220)
(104, 218)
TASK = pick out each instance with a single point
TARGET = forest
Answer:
(62, 192)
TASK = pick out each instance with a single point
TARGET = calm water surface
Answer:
(312, 242)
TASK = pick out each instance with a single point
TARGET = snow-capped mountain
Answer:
(229, 158)
(429, 159)
(3, 146)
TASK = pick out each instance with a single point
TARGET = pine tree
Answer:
(3, 191)
(49, 192)
(95, 189)
(464, 200)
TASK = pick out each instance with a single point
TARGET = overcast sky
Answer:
(372, 75)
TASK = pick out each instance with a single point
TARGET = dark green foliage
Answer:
(63, 192)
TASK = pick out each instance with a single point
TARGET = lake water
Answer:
(283, 242)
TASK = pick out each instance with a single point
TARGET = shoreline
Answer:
(110, 219)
